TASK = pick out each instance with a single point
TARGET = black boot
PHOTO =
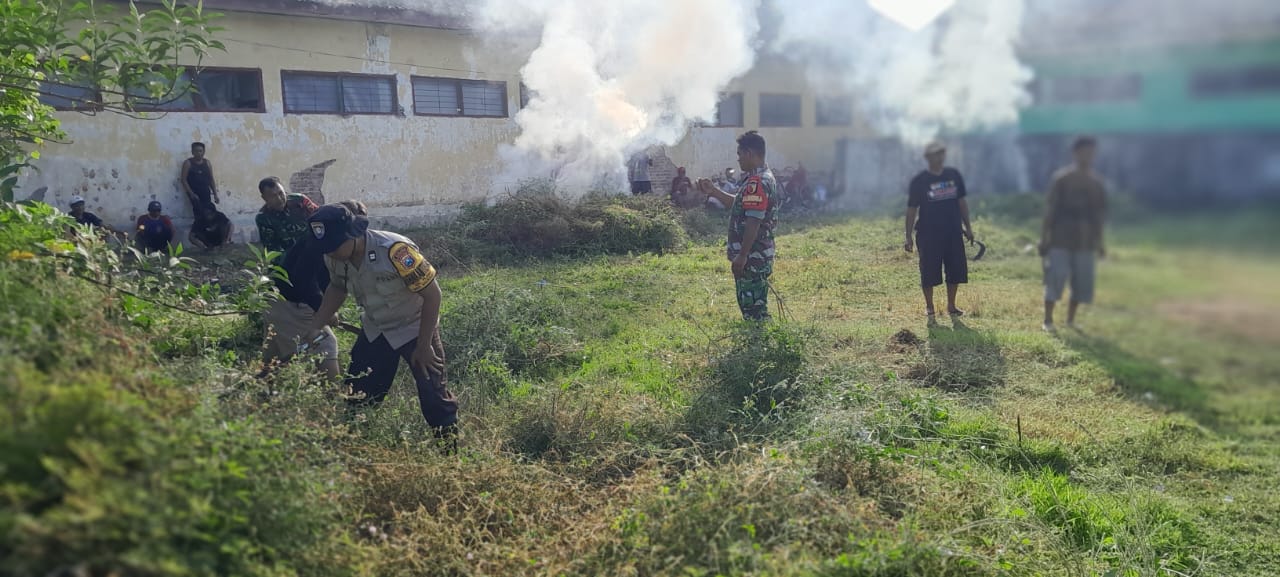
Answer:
(447, 439)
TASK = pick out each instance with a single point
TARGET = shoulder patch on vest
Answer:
(753, 198)
(416, 272)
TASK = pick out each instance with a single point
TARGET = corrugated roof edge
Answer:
(377, 11)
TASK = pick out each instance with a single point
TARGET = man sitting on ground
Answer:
(682, 195)
(210, 229)
(154, 230)
(82, 216)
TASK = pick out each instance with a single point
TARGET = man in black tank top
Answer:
(197, 181)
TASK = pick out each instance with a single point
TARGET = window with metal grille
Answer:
(69, 91)
(1086, 89)
(203, 90)
(456, 97)
(525, 95)
(1235, 82)
(779, 110)
(338, 93)
(834, 110)
(729, 109)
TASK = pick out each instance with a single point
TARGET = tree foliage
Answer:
(91, 56)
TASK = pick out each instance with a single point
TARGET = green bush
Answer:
(122, 474)
(753, 382)
(711, 521)
(536, 222)
(526, 333)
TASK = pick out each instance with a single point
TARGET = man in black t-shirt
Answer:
(939, 216)
(210, 229)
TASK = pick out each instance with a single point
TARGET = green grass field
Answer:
(619, 420)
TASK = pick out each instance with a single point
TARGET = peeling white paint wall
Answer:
(408, 169)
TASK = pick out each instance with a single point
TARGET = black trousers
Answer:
(939, 251)
(373, 368)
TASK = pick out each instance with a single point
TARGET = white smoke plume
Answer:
(609, 78)
(958, 74)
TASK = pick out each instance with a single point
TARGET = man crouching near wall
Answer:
(396, 287)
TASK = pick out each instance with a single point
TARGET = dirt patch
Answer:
(905, 338)
(1241, 318)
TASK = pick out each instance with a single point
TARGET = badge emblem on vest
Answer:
(373, 256)
(317, 229)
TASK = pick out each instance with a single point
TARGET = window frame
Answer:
(95, 106)
(284, 92)
(195, 73)
(1043, 88)
(846, 102)
(742, 108)
(1200, 81)
(799, 113)
(457, 85)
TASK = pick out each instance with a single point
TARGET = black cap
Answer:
(154, 206)
(332, 224)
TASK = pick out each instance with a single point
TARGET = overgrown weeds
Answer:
(538, 222)
(600, 436)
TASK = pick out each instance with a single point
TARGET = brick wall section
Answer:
(662, 171)
(309, 182)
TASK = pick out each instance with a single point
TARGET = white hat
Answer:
(935, 147)
(77, 199)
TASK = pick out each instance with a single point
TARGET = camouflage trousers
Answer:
(753, 294)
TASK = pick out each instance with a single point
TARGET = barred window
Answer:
(1086, 89)
(456, 97)
(779, 110)
(71, 91)
(834, 110)
(729, 110)
(338, 93)
(1235, 82)
(202, 90)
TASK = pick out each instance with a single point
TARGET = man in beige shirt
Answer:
(1071, 238)
(397, 290)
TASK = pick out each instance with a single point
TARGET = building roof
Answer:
(446, 14)
(1054, 26)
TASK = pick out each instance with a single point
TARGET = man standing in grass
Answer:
(753, 214)
(939, 216)
(397, 289)
(1071, 238)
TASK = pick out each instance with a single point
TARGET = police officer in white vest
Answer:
(397, 289)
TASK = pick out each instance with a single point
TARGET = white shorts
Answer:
(288, 323)
(1078, 267)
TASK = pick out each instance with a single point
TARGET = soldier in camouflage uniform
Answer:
(753, 214)
(283, 217)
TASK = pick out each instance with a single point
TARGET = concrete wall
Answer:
(407, 168)
(402, 166)
(708, 150)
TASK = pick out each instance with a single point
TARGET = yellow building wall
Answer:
(408, 169)
(404, 167)
(710, 149)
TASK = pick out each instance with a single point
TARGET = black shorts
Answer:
(942, 252)
(641, 187)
